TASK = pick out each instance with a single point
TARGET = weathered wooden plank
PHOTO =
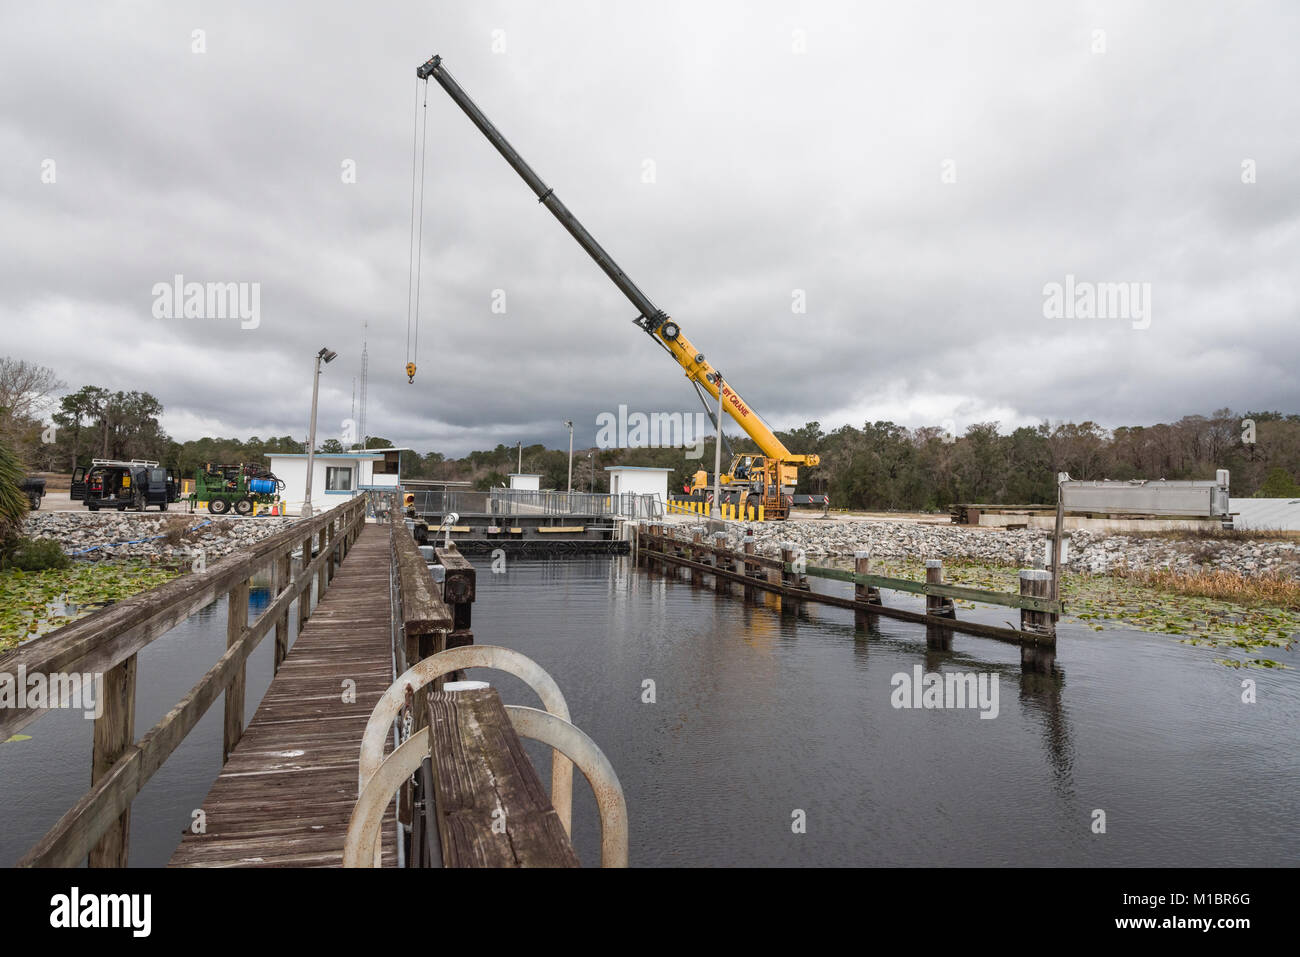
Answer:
(286, 795)
(103, 640)
(423, 611)
(490, 805)
(114, 733)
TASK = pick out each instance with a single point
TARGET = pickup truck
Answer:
(34, 489)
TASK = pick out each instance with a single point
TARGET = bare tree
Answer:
(25, 394)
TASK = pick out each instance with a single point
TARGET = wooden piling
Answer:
(937, 604)
(697, 538)
(789, 578)
(1036, 583)
(720, 584)
(864, 593)
(750, 567)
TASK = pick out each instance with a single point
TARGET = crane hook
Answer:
(410, 372)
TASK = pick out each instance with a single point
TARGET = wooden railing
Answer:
(97, 827)
(788, 578)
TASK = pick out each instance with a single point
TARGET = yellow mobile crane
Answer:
(767, 479)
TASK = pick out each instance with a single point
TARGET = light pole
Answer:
(569, 488)
(327, 356)
(716, 511)
(591, 472)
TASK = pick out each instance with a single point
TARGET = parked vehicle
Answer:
(224, 487)
(34, 489)
(121, 485)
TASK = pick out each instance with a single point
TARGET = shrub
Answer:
(14, 505)
(38, 554)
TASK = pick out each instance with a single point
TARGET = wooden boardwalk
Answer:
(285, 795)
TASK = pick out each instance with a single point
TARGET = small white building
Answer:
(637, 480)
(335, 475)
(525, 480)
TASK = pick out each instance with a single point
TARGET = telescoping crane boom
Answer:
(766, 479)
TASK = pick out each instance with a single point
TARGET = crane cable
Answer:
(415, 244)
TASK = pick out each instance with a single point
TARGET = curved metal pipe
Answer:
(595, 767)
(454, 659)
(361, 849)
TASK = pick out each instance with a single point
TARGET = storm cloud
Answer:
(916, 174)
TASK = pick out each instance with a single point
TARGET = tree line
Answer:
(880, 465)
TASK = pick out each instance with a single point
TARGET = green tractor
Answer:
(238, 487)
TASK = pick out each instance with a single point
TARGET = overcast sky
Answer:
(919, 171)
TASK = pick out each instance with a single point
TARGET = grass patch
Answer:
(1214, 535)
(1214, 609)
(1282, 591)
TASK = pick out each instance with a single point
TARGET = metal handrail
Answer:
(504, 502)
(390, 705)
(361, 848)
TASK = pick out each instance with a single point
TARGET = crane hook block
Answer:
(410, 372)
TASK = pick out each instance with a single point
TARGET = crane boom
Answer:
(652, 319)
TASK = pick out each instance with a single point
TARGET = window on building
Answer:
(338, 479)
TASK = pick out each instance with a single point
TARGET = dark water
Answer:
(41, 778)
(759, 715)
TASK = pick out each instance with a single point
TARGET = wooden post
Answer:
(1036, 583)
(937, 636)
(236, 622)
(329, 562)
(304, 596)
(749, 567)
(864, 593)
(720, 584)
(1037, 657)
(114, 733)
(284, 579)
(1056, 541)
(459, 589)
(697, 577)
(937, 604)
(321, 581)
(789, 578)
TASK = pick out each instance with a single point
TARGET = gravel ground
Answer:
(81, 532)
(1087, 550)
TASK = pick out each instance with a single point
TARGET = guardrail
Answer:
(106, 643)
(521, 502)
